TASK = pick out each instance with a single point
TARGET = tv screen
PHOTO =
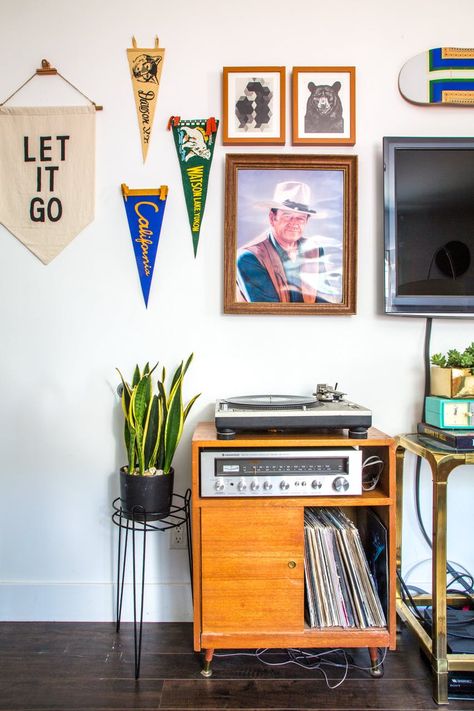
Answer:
(429, 226)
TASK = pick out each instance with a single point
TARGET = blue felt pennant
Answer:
(145, 209)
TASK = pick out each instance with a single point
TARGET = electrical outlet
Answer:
(178, 537)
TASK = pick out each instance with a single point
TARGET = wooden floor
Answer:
(65, 666)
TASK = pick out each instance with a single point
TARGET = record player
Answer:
(326, 410)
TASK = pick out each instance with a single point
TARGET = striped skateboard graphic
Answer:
(441, 76)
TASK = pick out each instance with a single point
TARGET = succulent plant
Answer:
(455, 359)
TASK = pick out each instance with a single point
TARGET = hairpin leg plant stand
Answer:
(139, 522)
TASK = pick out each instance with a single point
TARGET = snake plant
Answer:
(153, 420)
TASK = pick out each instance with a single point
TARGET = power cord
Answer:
(372, 468)
(313, 660)
(420, 611)
(407, 596)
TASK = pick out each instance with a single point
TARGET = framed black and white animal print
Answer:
(254, 105)
(324, 105)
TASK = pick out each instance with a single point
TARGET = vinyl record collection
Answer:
(340, 590)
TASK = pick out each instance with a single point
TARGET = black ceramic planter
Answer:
(146, 495)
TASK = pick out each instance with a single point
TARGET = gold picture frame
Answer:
(323, 106)
(254, 105)
(255, 280)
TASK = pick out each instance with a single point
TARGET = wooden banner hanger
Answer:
(47, 69)
(157, 43)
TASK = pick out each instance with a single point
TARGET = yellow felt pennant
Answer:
(145, 69)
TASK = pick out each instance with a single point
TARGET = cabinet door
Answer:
(252, 569)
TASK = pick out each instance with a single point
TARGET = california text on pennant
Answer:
(145, 209)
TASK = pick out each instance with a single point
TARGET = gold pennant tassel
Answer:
(146, 65)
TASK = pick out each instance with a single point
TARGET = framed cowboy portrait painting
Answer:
(323, 105)
(290, 234)
(254, 105)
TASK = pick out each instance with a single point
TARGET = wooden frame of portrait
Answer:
(331, 180)
(265, 121)
(329, 118)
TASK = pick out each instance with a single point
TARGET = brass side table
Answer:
(442, 463)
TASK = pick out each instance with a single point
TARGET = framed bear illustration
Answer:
(324, 105)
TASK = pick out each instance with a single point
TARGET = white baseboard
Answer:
(92, 602)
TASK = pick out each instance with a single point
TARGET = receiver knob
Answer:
(219, 485)
(316, 484)
(340, 483)
(284, 485)
(241, 486)
(254, 486)
(267, 485)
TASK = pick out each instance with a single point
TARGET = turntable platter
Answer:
(269, 402)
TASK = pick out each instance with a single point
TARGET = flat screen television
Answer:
(429, 226)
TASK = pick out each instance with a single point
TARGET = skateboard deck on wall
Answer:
(441, 76)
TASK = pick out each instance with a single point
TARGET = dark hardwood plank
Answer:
(76, 637)
(109, 666)
(376, 694)
(64, 694)
(100, 652)
(188, 665)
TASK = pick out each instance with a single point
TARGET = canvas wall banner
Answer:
(145, 209)
(194, 140)
(145, 69)
(47, 175)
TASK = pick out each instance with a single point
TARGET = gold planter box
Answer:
(452, 382)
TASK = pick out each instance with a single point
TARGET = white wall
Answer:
(65, 327)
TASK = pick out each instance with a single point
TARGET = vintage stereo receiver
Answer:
(281, 472)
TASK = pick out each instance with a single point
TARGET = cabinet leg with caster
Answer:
(376, 667)
(206, 669)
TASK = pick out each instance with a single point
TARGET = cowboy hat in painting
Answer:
(292, 196)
